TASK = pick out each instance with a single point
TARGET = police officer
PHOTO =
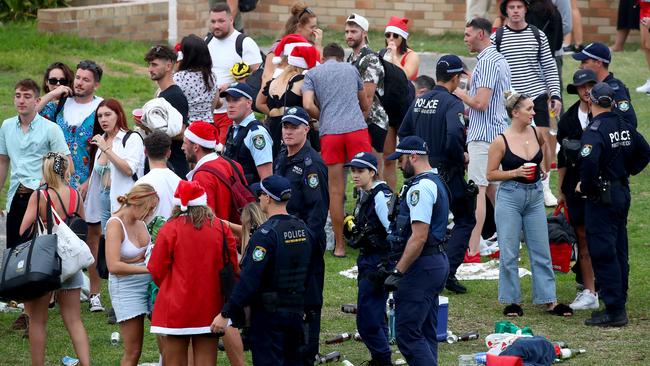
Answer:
(417, 238)
(611, 151)
(367, 230)
(597, 57)
(276, 270)
(437, 117)
(248, 142)
(305, 170)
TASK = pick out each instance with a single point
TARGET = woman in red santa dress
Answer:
(185, 264)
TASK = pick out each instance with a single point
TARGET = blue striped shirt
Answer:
(492, 72)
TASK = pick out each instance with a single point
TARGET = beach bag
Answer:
(32, 269)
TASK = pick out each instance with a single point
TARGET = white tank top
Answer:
(128, 249)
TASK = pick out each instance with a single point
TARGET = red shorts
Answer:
(222, 122)
(339, 149)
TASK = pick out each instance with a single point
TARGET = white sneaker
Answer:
(95, 303)
(586, 300)
(549, 198)
(645, 88)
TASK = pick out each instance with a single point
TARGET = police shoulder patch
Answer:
(312, 180)
(259, 253)
(586, 150)
(414, 198)
(623, 105)
(259, 142)
(461, 119)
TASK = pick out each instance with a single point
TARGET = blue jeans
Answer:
(105, 203)
(521, 206)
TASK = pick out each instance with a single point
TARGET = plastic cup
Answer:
(137, 114)
(532, 167)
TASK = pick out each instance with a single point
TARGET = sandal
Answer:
(561, 310)
(513, 310)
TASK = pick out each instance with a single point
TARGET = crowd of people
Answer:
(222, 228)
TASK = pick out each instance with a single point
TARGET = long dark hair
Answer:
(67, 74)
(403, 47)
(196, 57)
(116, 107)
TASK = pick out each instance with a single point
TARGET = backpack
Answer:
(247, 5)
(551, 24)
(255, 78)
(241, 195)
(399, 92)
(72, 219)
(146, 161)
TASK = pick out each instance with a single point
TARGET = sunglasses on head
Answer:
(392, 35)
(55, 81)
(305, 11)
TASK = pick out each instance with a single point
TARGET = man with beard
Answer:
(372, 74)
(76, 117)
(161, 60)
(417, 239)
(227, 47)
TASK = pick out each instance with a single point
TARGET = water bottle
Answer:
(466, 360)
(387, 56)
(330, 357)
(115, 338)
(391, 319)
(339, 338)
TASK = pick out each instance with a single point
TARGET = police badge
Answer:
(312, 180)
(586, 150)
(259, 142)
(414, 197)
(259, 253)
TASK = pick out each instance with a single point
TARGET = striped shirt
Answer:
(491, 72)
(529, 75)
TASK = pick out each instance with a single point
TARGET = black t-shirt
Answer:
(174, 95)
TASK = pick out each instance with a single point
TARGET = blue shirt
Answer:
(26, 150)
(258, 142)
(420, 198)
(492, 72)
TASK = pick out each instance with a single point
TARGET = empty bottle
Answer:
(349, 308)
(330, 357)
(357, 337)
(569, 353)
(347, 363)
(339, 338)
(469, 336)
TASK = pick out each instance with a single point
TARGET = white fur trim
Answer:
(208, 144)
(199, 201)
(180, 331)
(396, 30)
(276, 60)
(288, 48)
(297, 62)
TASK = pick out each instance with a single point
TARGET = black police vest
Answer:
(400, 226)
(617, 143)
(292, 259)
(372, 234)
(236, 150)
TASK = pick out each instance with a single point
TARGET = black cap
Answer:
(595, 51)
(409, 145)
(296, 116)
(581, 77)
(602, 94)
(363, 160)
(450, 65)
(277, 187)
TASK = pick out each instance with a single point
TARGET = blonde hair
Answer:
(56, 169)
(251, 218)
(513, 101)
(196, 215)
(139, 195)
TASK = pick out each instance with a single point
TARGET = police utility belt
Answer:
(604, 194)
(290, 303)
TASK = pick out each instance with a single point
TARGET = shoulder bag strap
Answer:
(224, 249)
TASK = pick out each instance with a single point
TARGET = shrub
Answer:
(26, 9)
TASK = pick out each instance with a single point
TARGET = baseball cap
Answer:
(238, 90)
(363, 160)
(409, 145)
(296, 116)
(595, 51)
(581, 77)
(602, 94)
(277, 187)
(450, 65)
(358, 20)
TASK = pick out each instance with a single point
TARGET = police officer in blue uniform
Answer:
(417, 238)
(438, 118)
(305, 170)
(276, 269)
(367, 230)
(247, 142)
(611, 151)
(597, 57)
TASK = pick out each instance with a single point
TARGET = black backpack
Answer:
(399, 92)
(547, 18)
(255, 78)
(247, 5)
(78, 225)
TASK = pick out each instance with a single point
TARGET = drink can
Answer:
(115, 338)
(349, 308)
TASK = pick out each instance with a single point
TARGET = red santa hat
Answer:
(286, 45)
(305, 57)
(202, 133)
(398, 26)
(189, 193)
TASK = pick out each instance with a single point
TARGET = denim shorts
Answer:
(74, 282)
(105, 204)
(129, 295)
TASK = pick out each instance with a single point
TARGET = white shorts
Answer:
(478, 159)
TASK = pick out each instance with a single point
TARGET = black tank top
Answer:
(511, 161)
(288, 99)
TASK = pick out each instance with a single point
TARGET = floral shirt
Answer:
(78, 140)
(372, 71)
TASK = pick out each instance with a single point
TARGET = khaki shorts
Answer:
(478, 159)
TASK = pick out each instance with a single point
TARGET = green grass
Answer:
(25, 53)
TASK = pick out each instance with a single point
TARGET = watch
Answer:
(396, 272)
(225, 314)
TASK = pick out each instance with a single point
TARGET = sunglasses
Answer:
(390, 35)
(55, 81)
(305, 11)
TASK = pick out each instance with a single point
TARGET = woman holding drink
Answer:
(514, 159)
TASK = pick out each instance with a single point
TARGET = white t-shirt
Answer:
(583, 117)
(224, 56)
(164, 181)
(76, 113)
(133, 153)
